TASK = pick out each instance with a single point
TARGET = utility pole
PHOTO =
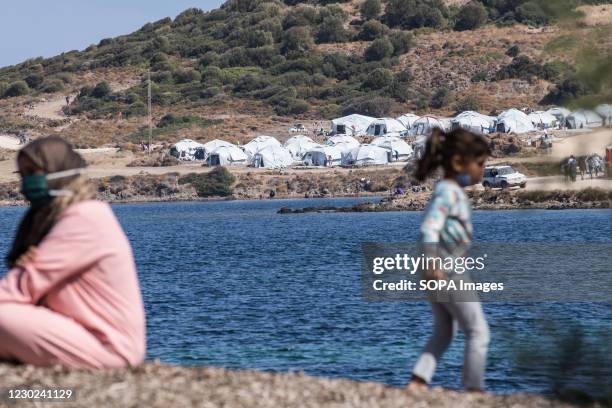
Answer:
(149, 103)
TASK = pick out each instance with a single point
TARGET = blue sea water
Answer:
(234, 284)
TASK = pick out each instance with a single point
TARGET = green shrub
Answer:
(217, 182)
(212, 75)
(17, 88)
(34, 80)
(377, 106)
(210, 92)
(513, 51)
(378, 50)
(331, 30)
(251, 82)
(402, 42)
(371, 30)
(469, 103)
(185, 76)
(521, 67)
(378, 79)
(101, 90)
(440, 99)
(297, 42)
(471, 15)
(409, 14)
(303, 15)
(162, 77)
(53, 85)
(291, 106)
(136, 109)
(208, 59)
(370, 9)
(336, 65)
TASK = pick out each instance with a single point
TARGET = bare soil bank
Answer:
(155, 385)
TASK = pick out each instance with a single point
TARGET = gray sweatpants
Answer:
(471, 320)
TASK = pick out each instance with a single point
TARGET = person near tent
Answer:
(446, 231)
(67, 100)
(572, 165)
(71, 295)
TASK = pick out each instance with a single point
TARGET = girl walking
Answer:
(447, 231)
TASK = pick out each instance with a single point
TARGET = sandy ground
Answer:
(9, 142)
(559, 183)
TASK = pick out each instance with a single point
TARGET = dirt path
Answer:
(49, 109)
(9, 142)
(559, 183)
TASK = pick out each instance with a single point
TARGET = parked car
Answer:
(503, 176)
(297, 128)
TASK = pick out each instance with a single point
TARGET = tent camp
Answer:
(322, 155)
(299, 145)
(342, 142)
(226, 156)
(424, 125)
(583, 119)
(259, 143)
(605, 111)
(365, 155)
(386, 126)
(514, 121)
(397, 148)
(543, 120)
(271, 157)
(353, 125)
(408, 119)
(187, 150)
(474, 122)
(418, 146)
(559, 113)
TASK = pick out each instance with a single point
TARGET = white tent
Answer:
(398, 149)
(226, 156)
(605, 111)
(271, 157)
(425, 125)
(186, 149)
(408, 119)
(299, 145)
(544, 120)
(514, 121)
(322, 155)
(259, 143)
(214, 144)
(354, 125)
(386, 126)
(559, 113)
(474, 122)
(367, 154)
(583, 119)
(343, 142)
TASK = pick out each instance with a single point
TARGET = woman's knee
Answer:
(479, 334)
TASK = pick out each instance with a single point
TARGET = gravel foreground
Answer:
(157, 385)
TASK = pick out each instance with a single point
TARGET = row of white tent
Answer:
(509, 121)
(267, 152)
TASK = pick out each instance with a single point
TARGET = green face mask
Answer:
(36, 190)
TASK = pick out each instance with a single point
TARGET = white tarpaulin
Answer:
(474, 122)
(214, 144)
(559, 113)
(342, 142)
(408, 119)
(514, 121)
(605, 111)
(322, 155)
(425, 125)
(186, 149)
(353, 125)
(543, 120)
(272, 157)
(367, 154)
(583, 119)
(386, 126)
(299, 145)
(259, 143)
(226, 156)
(399, 149)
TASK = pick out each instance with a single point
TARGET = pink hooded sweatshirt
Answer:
(78, 303)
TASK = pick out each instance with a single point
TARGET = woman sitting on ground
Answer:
(71, 296)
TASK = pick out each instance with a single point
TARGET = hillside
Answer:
(256, 66)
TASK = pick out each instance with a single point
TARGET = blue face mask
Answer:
(463, 180)
(36, 189)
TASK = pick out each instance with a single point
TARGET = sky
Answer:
(45, 28)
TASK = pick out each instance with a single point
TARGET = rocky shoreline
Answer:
(157, 385)
(590, 198)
